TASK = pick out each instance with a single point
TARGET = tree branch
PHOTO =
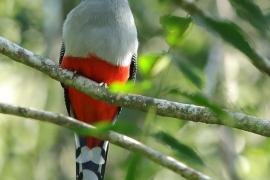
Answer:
(113, 137)
(162, 107)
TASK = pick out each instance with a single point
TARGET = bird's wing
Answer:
(132, 73)
(133, 68)
(62, 52)
(67, 102)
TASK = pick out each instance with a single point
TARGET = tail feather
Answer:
(90, 162)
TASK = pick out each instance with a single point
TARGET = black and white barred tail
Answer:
(90, 163)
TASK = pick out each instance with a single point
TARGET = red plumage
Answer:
(85, 108)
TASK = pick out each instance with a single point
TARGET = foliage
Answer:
(181, 59)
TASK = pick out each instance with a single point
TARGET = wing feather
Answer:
(67, 102)
(133, 68)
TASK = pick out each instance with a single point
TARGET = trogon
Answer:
(99, 42)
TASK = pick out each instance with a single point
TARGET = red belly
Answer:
(85, 108)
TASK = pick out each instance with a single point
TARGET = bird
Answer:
(100, 43)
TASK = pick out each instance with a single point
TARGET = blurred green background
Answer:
(179, 61)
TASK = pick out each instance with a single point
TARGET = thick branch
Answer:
(162, 107)
(115, 138)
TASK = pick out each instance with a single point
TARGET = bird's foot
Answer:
(104, 85)
(75, 73)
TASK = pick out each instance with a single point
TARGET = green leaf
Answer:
(147, 62)
(183, 151)
(161, 64)
(134, 161)
(125, 127)
(190, 73)
(174, 28)
(100, 128)
(105, 126)
(234, 35)
(120, 87)
(267, 17)
(130, 87)
(252, 13)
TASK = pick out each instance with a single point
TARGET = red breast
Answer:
(85, 108)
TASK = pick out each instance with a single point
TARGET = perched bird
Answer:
(100, 43)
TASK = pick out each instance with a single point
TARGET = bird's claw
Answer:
(75, 73)
(103, 85)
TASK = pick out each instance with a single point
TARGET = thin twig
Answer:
(113, 137)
